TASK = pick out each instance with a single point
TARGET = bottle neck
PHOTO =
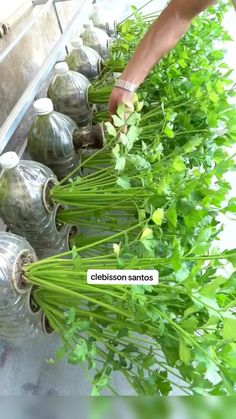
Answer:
(39, 115)
(64, 74)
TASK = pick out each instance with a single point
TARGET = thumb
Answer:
(129, 109)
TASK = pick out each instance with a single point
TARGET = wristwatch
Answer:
(126, 85)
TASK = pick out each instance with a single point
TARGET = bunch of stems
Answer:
(99, 94)
(99, 191)
(61, 284)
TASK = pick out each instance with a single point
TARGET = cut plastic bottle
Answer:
(50, 140)
(103, 19)
(18, 319)
(25, 205)
(68, 92)
(96, 38)
(84, 60)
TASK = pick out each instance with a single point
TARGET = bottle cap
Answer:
(89, 25)
(61, 68)
(43, 106)
(9, 160)
(78, 42)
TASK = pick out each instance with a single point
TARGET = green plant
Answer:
(154, 203)
(187, 320)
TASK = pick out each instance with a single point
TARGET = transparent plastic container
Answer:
(103, 20)
(50, 140)
(19, 319)
(25, 206)
(69, 94)
(84, 60)
(96, 38)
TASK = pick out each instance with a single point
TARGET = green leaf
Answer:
(190, 324)
(121, 111)
(123, 182)
(116, 151)
(158, 216)
(132, 134)
(230, 255)
(210, 303)
(83, 325)
(203, 242)
(74, 252)
(111, 129)
(164, 185)
(123, 332)
(192, 144)
(149, 361)
(212, 374)
(139, 162)
(219, 86)
(184, 352)
(126, 26)
(175, 258)
(169, 131)
(133, 119)
(78, 263)
(213, 97)
(229, 355)
(118, 122)
(146, 234)
(182, 274)
(100, 381)
(138, 106)
(229, 329)
(79, 354)
(178, 164)
(231, 207)
(70, 316)
(120, 164)
(129, 348)
(171, 215)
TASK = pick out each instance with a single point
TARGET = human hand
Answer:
(119, 96)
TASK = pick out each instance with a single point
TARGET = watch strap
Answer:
(126, 85)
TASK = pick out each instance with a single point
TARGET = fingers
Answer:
(129, 109)
(120, 96)
(112, 105)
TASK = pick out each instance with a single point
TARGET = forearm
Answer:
(163, 35)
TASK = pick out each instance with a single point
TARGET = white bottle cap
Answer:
(78, 42)
(9, 160)
(89, 24)
(43, 106)
(61, 68)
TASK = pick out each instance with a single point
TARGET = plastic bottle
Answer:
(50, 140)
(103, 20)
(68, 92)
(84, 60)
(96, 38)
(25, 205)
(18, 320)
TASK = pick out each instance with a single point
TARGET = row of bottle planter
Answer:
(27, 211)
(25, 207)
(54, 145)
(63, 121)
